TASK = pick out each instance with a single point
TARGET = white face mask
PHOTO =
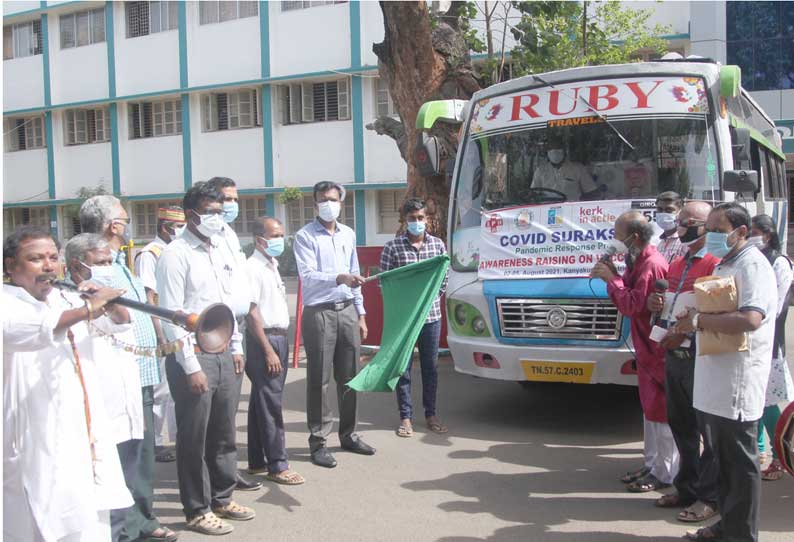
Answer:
(757, 241)
(666, 221)
(329, 210)
(210, 224)
(556, 156)
(101, 274)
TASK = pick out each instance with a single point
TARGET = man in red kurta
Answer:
(629, 293)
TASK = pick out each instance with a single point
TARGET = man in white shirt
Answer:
(560, 174)
(730, 388)
(61, 472)
(87, 258)
(192, 274)
(169, 220)
(267, 355)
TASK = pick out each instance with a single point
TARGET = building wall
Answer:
(25, 175)
(23, 83)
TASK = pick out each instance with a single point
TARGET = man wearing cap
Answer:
(169, 220)
(333, 321)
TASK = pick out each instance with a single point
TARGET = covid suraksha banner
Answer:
(560, 240)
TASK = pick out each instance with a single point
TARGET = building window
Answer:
(20, 40)
(24, 133)
(230, 110)
(389, 202)
(71, 222)
(144, 18)
(145, 217)
(82, 28)
(289, 6)
(251, 208)
(154, 119)
(25, 216)
(315, 102)
(759, 37)
(212, 11)
(384, 106)
(83, 126)
(301, 211)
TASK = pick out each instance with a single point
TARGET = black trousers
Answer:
(736, 449)
(698, 472)
(206, 453)
(266, 443)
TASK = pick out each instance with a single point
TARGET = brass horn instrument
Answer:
(213, 327)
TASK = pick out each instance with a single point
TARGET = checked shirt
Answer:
(399, 252)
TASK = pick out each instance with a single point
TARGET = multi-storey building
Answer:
(145, 98)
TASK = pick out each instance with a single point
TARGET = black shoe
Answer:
(323, 458)
(359, 447)
(245, 485)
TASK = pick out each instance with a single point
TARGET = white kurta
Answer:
(50, 491)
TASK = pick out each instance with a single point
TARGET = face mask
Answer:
(717, 243)
(178, 231)
(666, 221)
(556, 156)
(701, 253)
(329, 210)
(416, 228)
(692, 234)
(210, 224)
(275, 247)
(125, 235)
(620, 246)
(230, 211)
(100, 274)
(757, 241)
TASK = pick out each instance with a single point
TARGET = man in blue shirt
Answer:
(334, 321)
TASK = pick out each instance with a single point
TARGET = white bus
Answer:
(524, 236)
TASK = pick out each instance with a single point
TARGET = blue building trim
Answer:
(267, 102)
(43, 9)
(45, 45)
(357, 114)
(110, 38)
(187, 157)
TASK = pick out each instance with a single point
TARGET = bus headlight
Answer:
(464, 319)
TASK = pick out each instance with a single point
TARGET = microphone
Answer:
(607, 257)
(661, 286)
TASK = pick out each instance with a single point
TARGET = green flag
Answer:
(408, 293)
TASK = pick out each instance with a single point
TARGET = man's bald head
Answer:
(267, 227)
(695, 210)
(692, 228)
(632, 228)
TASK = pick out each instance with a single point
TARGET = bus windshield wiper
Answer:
(593, 109)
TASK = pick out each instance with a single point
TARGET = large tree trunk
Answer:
(420, 64)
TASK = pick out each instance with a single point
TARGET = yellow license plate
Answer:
(553, 371)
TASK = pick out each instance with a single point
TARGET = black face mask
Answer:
(691, 234)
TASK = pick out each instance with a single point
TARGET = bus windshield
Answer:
(590, 162)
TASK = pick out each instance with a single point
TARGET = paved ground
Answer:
(537, 465)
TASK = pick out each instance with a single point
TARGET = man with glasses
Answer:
(169, 220)
(106, 216)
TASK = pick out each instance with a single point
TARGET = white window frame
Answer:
(24, 40)
(144, 217)
(165, 118)
(33, 133)
(306, 4)
(95, 19)
(24, 216)
(389, 203)
(76, 124)
(251, 208)
(237, 102)
(303, 110)
(161, 17)
(383, 99)
(210, 11)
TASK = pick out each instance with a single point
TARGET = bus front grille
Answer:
(588, 319)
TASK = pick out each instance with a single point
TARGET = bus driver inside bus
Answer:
(560, 174)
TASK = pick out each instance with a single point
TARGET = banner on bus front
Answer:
(561, 240)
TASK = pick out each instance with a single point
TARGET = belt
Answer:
(338, 306)
(275, 331)
(198, 350)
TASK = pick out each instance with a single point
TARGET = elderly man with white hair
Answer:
(104, 215)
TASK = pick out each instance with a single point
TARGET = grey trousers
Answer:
(206, 453)
(332, 341)
(266, 444)
(735, 445)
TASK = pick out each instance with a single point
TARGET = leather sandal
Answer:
(697, 512)
(646, 484)
(704, 534)
(286, 477)
(632, 476)
(773, 472)
(209, 524)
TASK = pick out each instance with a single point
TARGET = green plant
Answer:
(290, 193)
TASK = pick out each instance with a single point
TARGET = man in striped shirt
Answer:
(414, 245)
(668, 205)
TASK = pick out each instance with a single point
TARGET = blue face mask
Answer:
(717, 243)
(230, 211)
(416, 228)
(275, 247)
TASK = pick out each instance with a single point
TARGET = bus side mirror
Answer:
(740, 181)
(427, 155)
